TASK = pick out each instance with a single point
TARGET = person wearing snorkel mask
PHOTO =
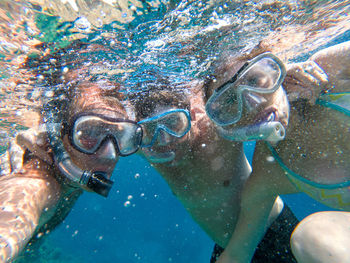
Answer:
(306, 152)
(204, 171)
(81, 140)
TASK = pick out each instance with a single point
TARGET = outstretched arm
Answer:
(28, 196)
(259, 194)
(328, 69)
(27, 201)
(335, 61)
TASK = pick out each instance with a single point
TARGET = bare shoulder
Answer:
(330, 230)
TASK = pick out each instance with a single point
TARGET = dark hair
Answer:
(158, 94)
(63, 70)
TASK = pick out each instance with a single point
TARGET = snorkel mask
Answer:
(87, 134)
(159, 129)
(264, 74)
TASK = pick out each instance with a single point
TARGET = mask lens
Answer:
(263, 76)
(130, 140)
(175, 123)
(89, 131)
(224, 107)
(149, 131)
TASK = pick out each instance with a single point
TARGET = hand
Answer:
(34, 140)
(304, 80)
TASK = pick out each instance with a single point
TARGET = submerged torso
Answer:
(316, 151)
(208, 179)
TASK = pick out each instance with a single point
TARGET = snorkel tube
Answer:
(95, 181)
(272, 131)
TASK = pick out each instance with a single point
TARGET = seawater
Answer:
(141, 220)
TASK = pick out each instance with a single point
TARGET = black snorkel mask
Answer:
(95, 181)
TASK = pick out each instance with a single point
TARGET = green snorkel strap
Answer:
(300, 178)
(336, 101)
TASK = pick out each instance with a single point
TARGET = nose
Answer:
(252, 100)
(163, 138)
(107, 151)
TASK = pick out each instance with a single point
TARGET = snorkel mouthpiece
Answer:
(268, 131)
(98, 183)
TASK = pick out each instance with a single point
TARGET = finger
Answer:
(314, 71)
(319, 73)
(42, 138)
(26, 139)
(5, 167)
(306, 77)
(16, 157)
(307, 72)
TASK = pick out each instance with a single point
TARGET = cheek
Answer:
(77, 157)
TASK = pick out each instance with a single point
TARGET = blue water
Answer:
(153, 228)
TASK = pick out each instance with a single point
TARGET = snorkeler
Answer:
(204, 171)
(306, 152)
(79, 153)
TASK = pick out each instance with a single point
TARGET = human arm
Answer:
(28, 191)
(328, 69)
(335, 61)
(259, 194)
(28, 200)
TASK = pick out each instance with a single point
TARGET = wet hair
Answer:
(69, 72)
(157, 95)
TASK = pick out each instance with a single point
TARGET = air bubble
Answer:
(270, 159)
(82, 23)
(75, 233)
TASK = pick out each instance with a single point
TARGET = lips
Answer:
(159, 157)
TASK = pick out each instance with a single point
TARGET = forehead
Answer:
(97, 96)
(223, 73)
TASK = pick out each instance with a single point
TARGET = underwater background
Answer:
(141, 220)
